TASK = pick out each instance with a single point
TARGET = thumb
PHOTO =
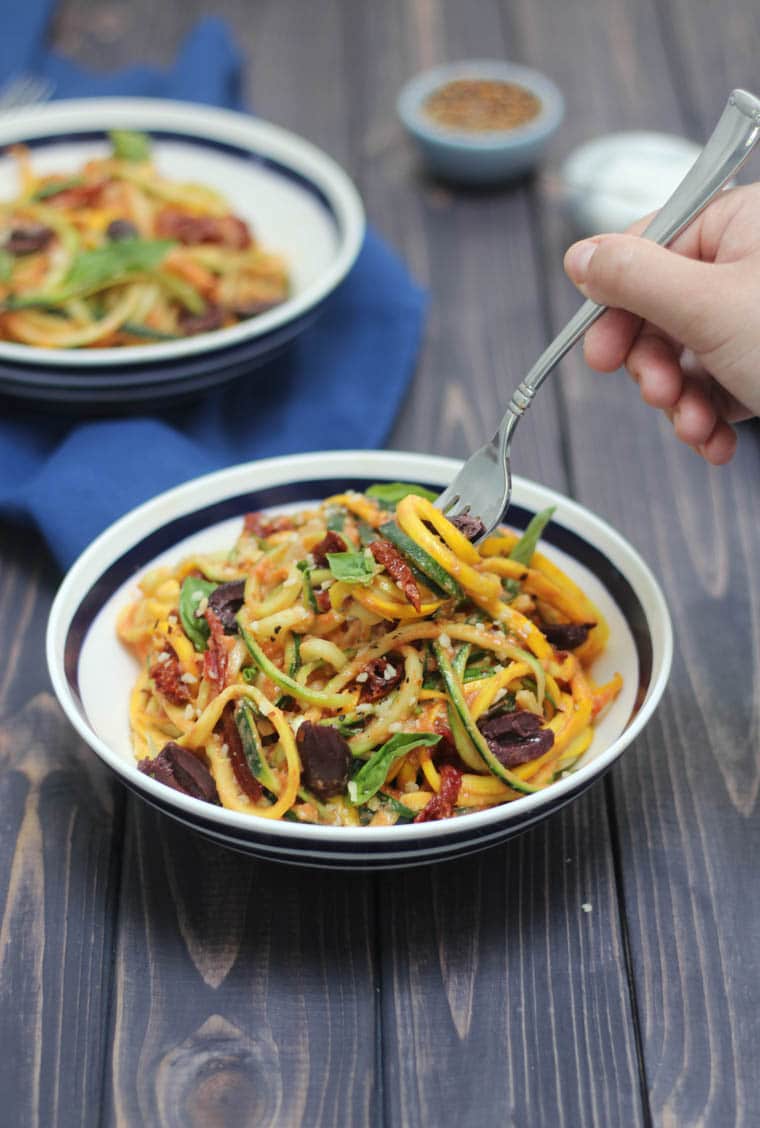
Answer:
(673, 292)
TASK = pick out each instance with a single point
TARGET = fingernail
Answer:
(577, 259)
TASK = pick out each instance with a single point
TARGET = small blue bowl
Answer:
(483, 157)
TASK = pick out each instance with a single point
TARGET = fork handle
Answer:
(729, 146)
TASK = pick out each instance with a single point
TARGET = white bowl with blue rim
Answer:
(482, 157)
(298, 201)
(93, 674)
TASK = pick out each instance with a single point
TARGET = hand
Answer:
(685, 321)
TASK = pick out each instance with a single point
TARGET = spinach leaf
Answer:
(129, 145)
(351, 567)
(91, 270)
(389, 494)
(371, 777)
(107, 264)
(526, 546)
(336, 519)
(192, 592)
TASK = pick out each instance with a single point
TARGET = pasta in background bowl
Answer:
(239, 172)
(94, 674)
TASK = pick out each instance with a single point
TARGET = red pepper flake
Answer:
(215, 658)
(441, 806)
(246, 781)
(167, 676)
(261, 525)
(78, 196)
(397, 568)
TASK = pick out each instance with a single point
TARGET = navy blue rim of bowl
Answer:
(148, 396)
(196, 373)
(462, 840)
(142, 371)
(137, 558)
(147, 375)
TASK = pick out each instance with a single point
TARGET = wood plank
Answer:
(244, 991)
(504, 1000)
(684, 793)
(57, 894)
(485, 960)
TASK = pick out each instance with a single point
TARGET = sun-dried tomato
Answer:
(441, 806)
(215, 657)
(246, 780)
(224, 230)
(331, 542)
(167, 675)
(79, 196)
(262, 525)
(382, 677)
(398, 569)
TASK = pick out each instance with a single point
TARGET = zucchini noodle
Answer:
(363, 663)
(117, 254)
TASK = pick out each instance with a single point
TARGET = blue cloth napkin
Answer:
(339, 385)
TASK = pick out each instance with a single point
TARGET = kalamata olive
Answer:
(325, 759)
(515, 738)
(212, 317)
(182, 770)
(29, 239)
(120, 230)
(469, 526)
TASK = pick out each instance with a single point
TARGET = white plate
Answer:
(92, 674)
(298, 201)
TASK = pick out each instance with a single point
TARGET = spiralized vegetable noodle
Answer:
(118, 255)
(364, 663)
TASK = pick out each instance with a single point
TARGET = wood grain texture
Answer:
(685, 796)
(244, 992)
(504, 988)
(149, 977)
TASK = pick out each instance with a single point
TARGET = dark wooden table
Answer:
(149, 978)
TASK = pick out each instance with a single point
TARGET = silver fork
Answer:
(24, 90)
(483, 486)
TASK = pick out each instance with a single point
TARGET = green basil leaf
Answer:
(351, 567)
(129, 145)
(48, 190)
(6, 265)
(371, 776)
(191, 594)
(389, 494)
(107, 264)
(526, 546)
(336, 519)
